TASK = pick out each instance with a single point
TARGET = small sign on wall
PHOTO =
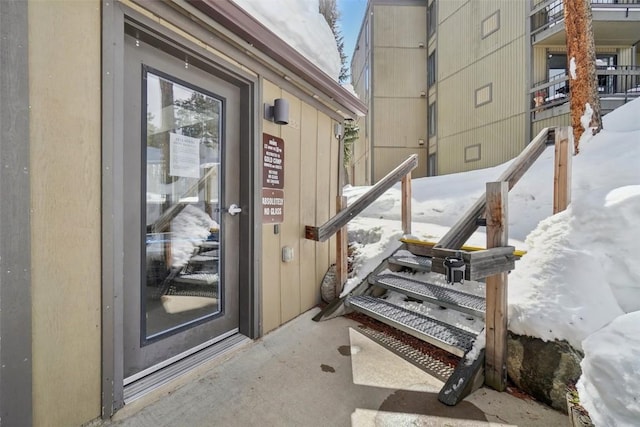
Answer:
(272, 179)
(272, 206)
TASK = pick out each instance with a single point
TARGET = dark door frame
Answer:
(114, 18)
(16, 405)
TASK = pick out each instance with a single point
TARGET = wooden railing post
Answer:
(406, 204)
(562, 169)
(496, 289)
(341, 249)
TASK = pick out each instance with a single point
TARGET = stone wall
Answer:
(543, 369)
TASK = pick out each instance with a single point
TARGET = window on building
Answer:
(367, 87)
(491, 24)
(366, 34)
(484, 95)
(431, 19)
(472, 153)
(431, 69)
(432, 119)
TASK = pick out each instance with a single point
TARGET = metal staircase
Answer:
(420, 303)
(416, 271)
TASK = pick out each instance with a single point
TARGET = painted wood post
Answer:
(341, 249)
(562, 169)
(496, 289)
(406, 204)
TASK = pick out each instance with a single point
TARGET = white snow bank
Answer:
(300, 24)
(583, 258)
(609, 388)
(619, 122)
(559, 279)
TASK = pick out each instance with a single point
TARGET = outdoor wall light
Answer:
(278, 112)
(337, 130)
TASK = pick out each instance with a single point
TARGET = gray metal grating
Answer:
(444, 296)
(417, 262)
(448, 337)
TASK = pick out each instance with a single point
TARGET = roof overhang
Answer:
(257, 36)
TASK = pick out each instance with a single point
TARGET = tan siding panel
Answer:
(323, 183)
(271, 315)
(406, 80)
(448, 7)
(336, 170)
(499, 142)
(388, 158)
(65, 171)
(456, 95)
(309, 294)
(468, 44)
(403, 122)
(561, 120)
(290, 228)
(397, 26)
(361, 158)
(539, 73)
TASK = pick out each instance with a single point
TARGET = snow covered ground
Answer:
(578, 281)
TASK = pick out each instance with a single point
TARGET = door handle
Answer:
(234, 209)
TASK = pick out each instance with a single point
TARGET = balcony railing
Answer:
(621, 82)
(546, 14)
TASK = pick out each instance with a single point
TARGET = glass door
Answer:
(181, 215)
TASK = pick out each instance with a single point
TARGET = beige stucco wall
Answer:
(310, 189)
(64, 86)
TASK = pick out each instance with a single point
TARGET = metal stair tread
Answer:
(197, 278)
(444, 296)
(203, 258)
(209, 244)
(448, 337)
(417, 262)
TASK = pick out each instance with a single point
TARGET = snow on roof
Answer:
(300, 24)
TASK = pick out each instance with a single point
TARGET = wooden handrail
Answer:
(467, 225)
(342, 218)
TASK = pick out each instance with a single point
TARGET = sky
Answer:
(351, 15)
(579, 280)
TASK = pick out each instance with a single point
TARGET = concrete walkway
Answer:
(321, 374)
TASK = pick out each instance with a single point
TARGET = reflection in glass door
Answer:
(182, 244)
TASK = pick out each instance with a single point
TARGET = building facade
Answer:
(476, 79)
(156, 180)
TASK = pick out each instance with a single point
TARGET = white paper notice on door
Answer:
(184, 155)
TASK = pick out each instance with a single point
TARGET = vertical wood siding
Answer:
(310, 189)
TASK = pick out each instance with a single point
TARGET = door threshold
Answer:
(139, 386)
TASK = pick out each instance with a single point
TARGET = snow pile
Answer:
(300, 24)
(583, 258)
(560, 278)
(608, 387)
